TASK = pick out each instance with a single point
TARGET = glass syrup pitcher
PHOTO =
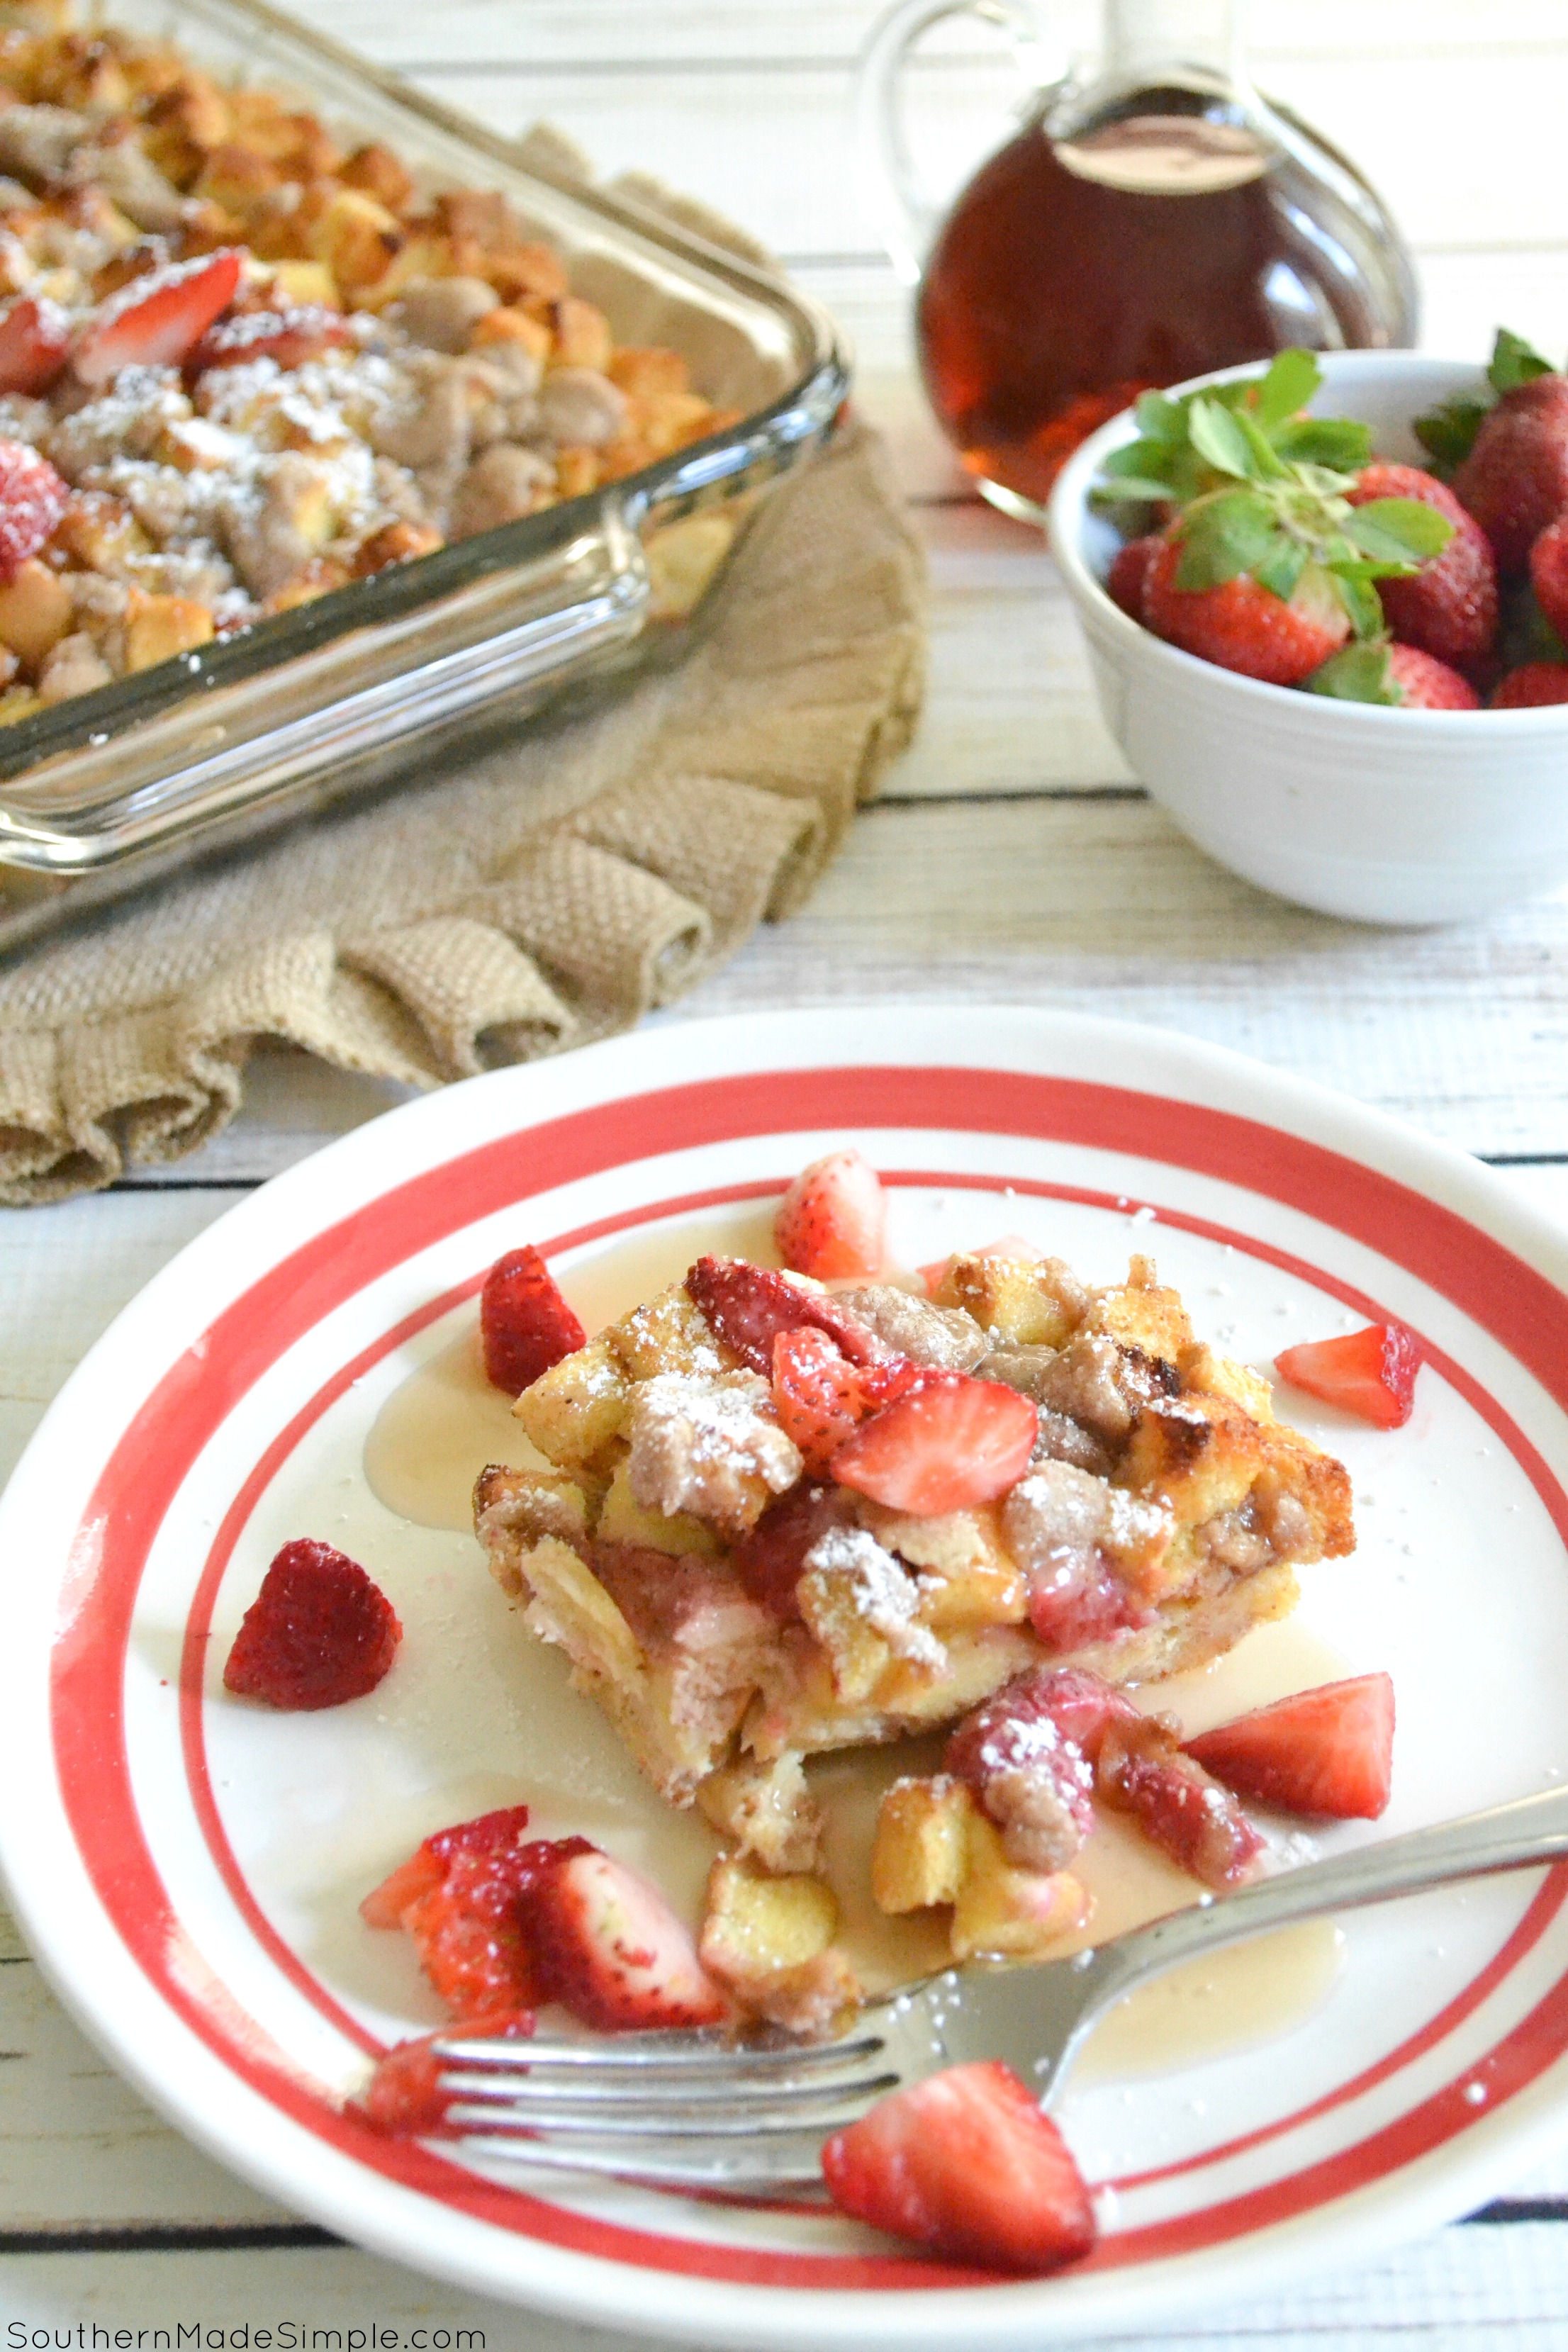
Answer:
(1152, 219)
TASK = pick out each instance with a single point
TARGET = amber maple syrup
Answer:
(1163, 237)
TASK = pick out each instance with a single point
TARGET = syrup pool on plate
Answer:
(437, 1430)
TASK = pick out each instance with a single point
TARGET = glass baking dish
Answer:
(102, 791)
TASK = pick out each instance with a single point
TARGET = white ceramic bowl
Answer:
(1385, 815)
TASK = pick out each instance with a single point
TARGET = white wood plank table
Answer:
(1012, 858)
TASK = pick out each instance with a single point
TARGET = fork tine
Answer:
(662, 2056)
(562, 2128)
(733, 2173)
(576, 2098)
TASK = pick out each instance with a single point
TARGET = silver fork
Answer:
(693, 2111)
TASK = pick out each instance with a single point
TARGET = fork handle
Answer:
(1523, 1835)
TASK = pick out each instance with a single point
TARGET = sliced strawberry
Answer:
(457, 1895)
(318, 1633)
(966, 2164)
(33, 498)
(770, 1558)
(607, 1945)
(748, 1306)
(1141, 1770)
(1327, 1752)
(35, 337)
(404, 2097)
(833, 1221)
(949, 1443)
(525, 1323)
(155, 320)
(821, 1398)
(290, 336)
(1370, 1373)
(387, 1904)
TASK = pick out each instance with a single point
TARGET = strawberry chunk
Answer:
(833, 1221)
(35, 338)
(1026, 1753)
(966, 2164)
(948, 1444)
(1370, 1373)
(318, 1633)
(1549, 573)
(525, 1323)
(770, 1558)
(157, 319)
(290, 336)
(403, 2098)
(748, 1306)
(1081, 1600)
(1141, 1770)
(457, 1895)
(607, 1945)
(32, 499)
(1327, 1752)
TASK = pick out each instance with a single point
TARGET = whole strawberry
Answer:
(1532, 685)
(1549, 573)
(1515, 480)
(1242, 625)
(1129, 569)
(1450, 606)
(1399, 676)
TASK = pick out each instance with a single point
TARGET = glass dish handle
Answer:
(893, 193)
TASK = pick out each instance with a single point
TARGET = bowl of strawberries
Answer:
(1326, 602)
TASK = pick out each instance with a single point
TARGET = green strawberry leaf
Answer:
(1216, 436)
(1340, 442)
(1126, 487)
(1224, 536)
(1514, 361)
(1281, 569)
(1288, 385)
(1361, 602)
(1356, 674)
(1160, 419)
(1267, 464)
(1149, 460)
(1393, 530)
(1448, 434)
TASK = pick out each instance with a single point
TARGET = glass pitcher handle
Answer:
(892, 191)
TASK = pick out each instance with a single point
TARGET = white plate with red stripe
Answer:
(187, 1867)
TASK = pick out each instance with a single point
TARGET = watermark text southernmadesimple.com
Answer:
(283, 2335)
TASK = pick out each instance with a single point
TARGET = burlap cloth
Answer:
(549, 894)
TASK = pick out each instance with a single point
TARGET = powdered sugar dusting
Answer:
(883, 1595)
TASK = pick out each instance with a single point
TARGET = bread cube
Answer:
(767, 1809)
(1018, 1298)
(158, 627)
(770, 1941)
(1142, 1314)
(669, 1334)
(570, 1606)
(622, 1519)
(514, 1509)
(35, 611)
(1006, 1913)
(919, 1852)
(582, 337)
(574, 1411)
(356, 238)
